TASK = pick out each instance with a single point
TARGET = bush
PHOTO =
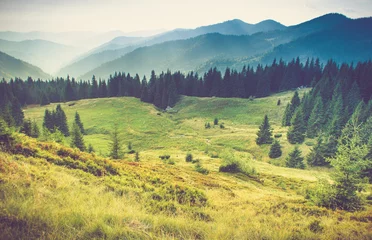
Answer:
(189, 157)
(234, 165)
(222, 126)
(200, 169)
(315, 226)
(207, 125)
(215, 122)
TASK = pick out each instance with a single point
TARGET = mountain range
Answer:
(232, 43)
(11, 67)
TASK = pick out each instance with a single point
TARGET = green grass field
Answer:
(42, 197)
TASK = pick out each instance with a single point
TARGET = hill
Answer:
(49, 56)
(183, 55)
(68, 194)
(261, 47)
(11, 67)
(120, 46)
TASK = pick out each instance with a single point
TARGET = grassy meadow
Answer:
(49, 191)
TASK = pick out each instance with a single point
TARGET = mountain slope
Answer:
(120, 44)
(182, 55)
(11, 67)
(347, 42)
(47, 55)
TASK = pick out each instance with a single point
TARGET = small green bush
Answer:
(200, 169)
(189, 157)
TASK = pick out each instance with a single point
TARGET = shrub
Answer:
(200, 169)
(215, 122)
(315, 226)
(234, 165)
(207, 125)
(222, 126)
(189, 157)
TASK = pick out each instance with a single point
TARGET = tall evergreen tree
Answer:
(316, 120)
(295, 160)
(317, 156)
(296, 133)
(61, 121)
(348, 164)
(77, 139)
(116, 144)
(35, 132)
(79, 123)
(264, 134)
(27, 127)
(275, 150)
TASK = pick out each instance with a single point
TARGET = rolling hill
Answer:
(67, 194)
(11, 67)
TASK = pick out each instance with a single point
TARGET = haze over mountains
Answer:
(229, 44)
(10, 67)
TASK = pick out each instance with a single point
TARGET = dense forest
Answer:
(352, 84)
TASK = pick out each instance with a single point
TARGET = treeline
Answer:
(163, 90)
(337, 103)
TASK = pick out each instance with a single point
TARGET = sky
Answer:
(139, 15)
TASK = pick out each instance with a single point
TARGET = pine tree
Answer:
(77, 139)
(215, 122)
(79, 123)
(44, 99)
(137, 158)
(48, 120)
(144, 90)
(295, 160)
(296, 133)
(287, 116)
(35, 132)
(90, 148)
(275, 150)
(17, 112)
(27, 127)
(316, 120)
(61, 121)
(264, 134)
(348, 164)
(317, 156)
(116, 144)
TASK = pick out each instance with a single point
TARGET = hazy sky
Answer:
(135, 15)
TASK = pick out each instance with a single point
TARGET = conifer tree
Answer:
(275, 150)
(296, 133)
(287, 116)
(79, 123)
(295, 160)
(116, 144)
(317, 156)
(144, 90)
(61, 121)
(316, 120)
(90, 148)
(27, 127)
(264, 134)
(77, 139)
(35, 132)
(44, 99)
(348, 164)
(17, 112)
(48, 120)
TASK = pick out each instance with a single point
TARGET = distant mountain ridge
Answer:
(123, 46)
(329, 36)
(11, 67)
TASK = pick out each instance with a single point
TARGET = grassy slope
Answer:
(79, 205)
